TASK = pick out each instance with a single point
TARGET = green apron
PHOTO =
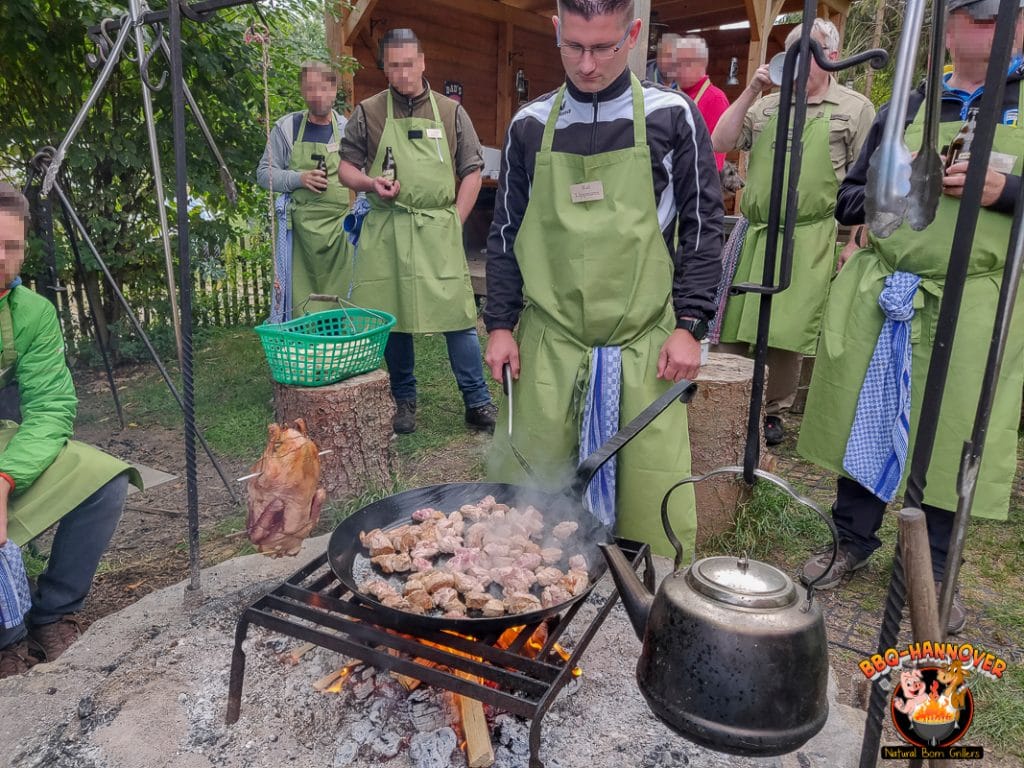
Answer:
(76, 474)
(854, 319)
(321, 253)
(796, 312)
(597, 273)
(411, 260)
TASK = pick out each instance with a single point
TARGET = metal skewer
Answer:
(257, 474)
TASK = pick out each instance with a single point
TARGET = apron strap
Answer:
(703, 88)
(639, 116)
(302, 125)
(433, 106)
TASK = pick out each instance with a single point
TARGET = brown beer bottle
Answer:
(960, 147)
(388, 169)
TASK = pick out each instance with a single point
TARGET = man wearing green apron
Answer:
(45, 476)
(842, 390)
(838, 120)
(302, 159)
(587, 302)
(691, 75)
(404, 148)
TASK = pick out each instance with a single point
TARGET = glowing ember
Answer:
(335, 681)
(934, 711)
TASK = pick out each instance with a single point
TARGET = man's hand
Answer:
(387, 190)
(5, 489)
(501, 349)
(760, 81)
(314, 180)
(956, 176)
(679, 357)
(846, 253)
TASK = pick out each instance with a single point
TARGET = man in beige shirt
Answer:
(838, 121)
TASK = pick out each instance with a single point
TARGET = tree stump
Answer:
(351, 418)
(718, 434)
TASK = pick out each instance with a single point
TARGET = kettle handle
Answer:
(774, 480)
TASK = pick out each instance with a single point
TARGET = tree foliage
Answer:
(44, 80)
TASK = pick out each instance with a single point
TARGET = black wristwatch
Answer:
(697, 328)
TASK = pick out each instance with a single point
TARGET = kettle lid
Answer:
(741, 582)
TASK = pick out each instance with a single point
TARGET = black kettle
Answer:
(733, 657)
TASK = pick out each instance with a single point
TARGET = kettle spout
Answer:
(635, 596)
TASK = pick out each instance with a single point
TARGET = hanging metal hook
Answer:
(158, 32)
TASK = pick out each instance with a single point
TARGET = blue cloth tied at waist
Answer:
(15, 598)
(600, 422)
(876, 451)
(281, 307)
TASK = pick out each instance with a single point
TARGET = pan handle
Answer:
(683, 391)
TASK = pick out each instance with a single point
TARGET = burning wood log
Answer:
(479, 750)
(295, 654)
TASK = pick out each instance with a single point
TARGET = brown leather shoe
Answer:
(957, 611)
(16, 659)
(55, 638)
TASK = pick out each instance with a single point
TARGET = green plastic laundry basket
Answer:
(325, 347)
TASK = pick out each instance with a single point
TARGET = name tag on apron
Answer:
(332, 147)
(587, 192)
(434, 133)
(1001, 162)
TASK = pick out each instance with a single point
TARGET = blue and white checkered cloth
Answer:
(876, 451)
(600, 422)
(281, 306)
(15, 597)
(353, 225)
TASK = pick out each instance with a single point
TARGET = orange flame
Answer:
(934, 711)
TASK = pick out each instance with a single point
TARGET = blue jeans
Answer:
(463, 354)
(81, 538)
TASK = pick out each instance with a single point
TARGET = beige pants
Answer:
(783, 375)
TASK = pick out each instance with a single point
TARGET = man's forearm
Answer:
(730, 124)
(469, 190)
(354, 178)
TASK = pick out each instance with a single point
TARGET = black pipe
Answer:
(945, 331)
(185, 293)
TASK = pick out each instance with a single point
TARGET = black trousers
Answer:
(857, 513)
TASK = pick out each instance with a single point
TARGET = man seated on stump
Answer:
(45, 476)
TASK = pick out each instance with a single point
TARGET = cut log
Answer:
(718, 434)
(351, 418)
(479, 750)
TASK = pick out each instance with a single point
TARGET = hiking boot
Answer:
(55, 638)
(957, 611)
(404, 422)
(16, 659)
(773, 431)
(483, 417)
(846, 563)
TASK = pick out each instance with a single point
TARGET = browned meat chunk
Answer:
(554, 595)
(575, 581)
(496, 549)
(427, 513)
(404, 538)
(474, 535)
(547, 576)
(420, 600)
(443, 596)
(515, 580)
(397, 602)
(399, 563)
(436, 580)
(522, 602)
(448, 543)
(578, 563)
(481, 574)
(465, 584)
(564, 530)
(487, 503)
(422, 565)
(425, 549)
(454, 523)
(477, 600)
(378, 543)
(493, 608)
(529, 561)
(377, 588)
(463, 559)
(413, 584)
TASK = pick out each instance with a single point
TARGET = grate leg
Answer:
(535, 761)
(237, 672)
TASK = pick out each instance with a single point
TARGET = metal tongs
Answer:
(926, 170)
(888, 183)
(506, 385)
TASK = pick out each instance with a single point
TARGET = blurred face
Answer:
(969, 40)
(595, 52)
(817, 78)
(666, 59)
(319, 93)
(404, 66)
(690, 66)
(12, 246)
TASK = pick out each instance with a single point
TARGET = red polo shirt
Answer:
(713, 103)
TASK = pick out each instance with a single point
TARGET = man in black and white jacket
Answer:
(608, 309)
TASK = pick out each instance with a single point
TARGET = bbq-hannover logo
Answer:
(932, 706)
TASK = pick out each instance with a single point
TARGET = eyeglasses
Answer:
(600, 52)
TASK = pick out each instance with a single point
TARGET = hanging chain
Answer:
(258, 33)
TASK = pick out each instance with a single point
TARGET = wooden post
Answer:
(917, 569)
(505, 90)
(638, 56)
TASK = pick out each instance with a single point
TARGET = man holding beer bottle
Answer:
(405, 147)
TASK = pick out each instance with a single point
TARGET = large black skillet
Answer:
(348, 558)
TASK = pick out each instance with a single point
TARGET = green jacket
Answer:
(48, 400)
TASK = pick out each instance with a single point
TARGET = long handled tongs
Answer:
(797, 57)
(935, 384)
